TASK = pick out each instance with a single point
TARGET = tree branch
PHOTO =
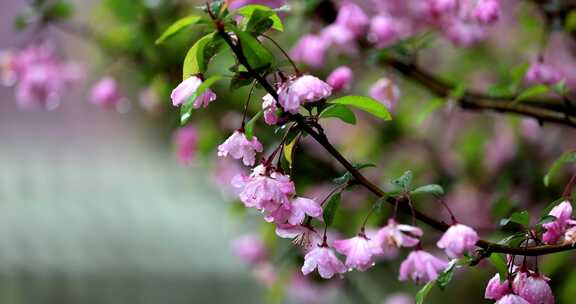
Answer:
(321, 138)
(544, 110)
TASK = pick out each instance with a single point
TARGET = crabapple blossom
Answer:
(106, 93)
(310, 50)
(264, 191)
(512, 299)
(340, 79)
(399, 298)
(421, 267)
(352, 17)
(540, 72)
(250, 248)
(570, 236)
(340, 38)
(302, 235)
(555, 229)
(301, 207)
(359, 251)
(533, 288)
(463, 34)
(187, 88)
(487, 11)
(395, 235)
(442, 6)
(384, 31)
(239, 147)
(324, 259)
(186, 140)
(269, 107)
(458, 240)
(303, 89)
(496, 289)
(385, 91)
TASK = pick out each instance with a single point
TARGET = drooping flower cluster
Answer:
(40, 76)
(526, 287)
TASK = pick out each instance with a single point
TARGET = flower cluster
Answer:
(522, 287)
(40, 76)
(563, 227)
(463, 22)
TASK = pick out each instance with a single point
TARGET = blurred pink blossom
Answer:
(340, 79)
(250, 248)
(186, 140)
(106, 93)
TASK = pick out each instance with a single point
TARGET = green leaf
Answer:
(560, 87)
(187, 107)
(521, 217)
(458, 91)
(331, 208)
(249, 127)
(249, 10)
(363, 103)
(498, 261)
(289, 149)
(404, 181)
(533, 91)
(517, 74)
(341, 112)
(178, 26)
(195, 61)
(432, 189)
(446, 276)
(59, 10)
(567, 157)
(423, 292)
(430, 107)
(546, 219)
(256, 54)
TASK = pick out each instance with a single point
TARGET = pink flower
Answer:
(303, 89)
(239, 147)
(533, 288)
(359, 251)
(442, 6)
(512, 299)
(340, 79)
(39, 86)
(265, 274)
(421, 267)
(302, 235)
(463, 34)
(540, 72)
(106, 93)
(396, 235)
(265, 191)
(150, 101)
(399, 298)
(557, 228)
(301, 207)
(384, 31)
(249, 248)
(340, 38)
(496, 289)
(324, 259)
(270, 108)
(570, 236)
(458, 240)
(310, 50)
(187, 88)
(351, 16)
(186, 140)
(487, 11)
(385, 91)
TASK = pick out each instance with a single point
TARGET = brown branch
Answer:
(544, 110)
(321, 138)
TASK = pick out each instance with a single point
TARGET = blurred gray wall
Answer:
(94, 208)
